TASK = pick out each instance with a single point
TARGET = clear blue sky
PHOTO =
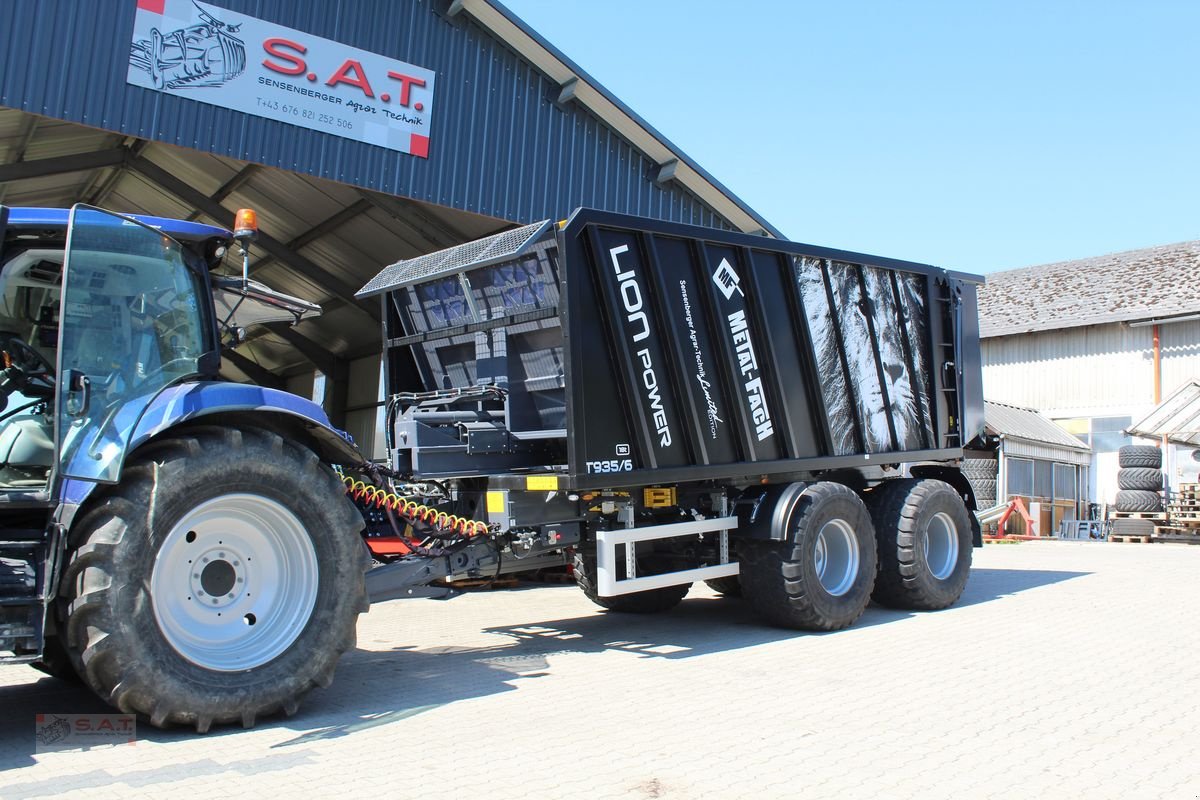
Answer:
(972, 135)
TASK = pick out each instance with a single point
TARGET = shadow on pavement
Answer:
(375, 688)
(993, 584)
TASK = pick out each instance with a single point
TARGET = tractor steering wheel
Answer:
(28, 359)
(33, 365)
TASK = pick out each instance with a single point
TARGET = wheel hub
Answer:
(234, 582)
(940, 546)
(836, 556)
(219, 578)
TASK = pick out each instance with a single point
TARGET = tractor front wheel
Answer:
(218, 582)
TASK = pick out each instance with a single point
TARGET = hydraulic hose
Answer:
(368, 494)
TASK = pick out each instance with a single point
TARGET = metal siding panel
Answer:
(1098, 366)
(1020, 448)
(500, 146)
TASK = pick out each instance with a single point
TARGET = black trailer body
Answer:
(674, 403)
(636, 352)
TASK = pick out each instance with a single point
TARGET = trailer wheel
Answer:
(819, 577)
(729, 586)
(651, 601)
(218, 582)
(924, 534)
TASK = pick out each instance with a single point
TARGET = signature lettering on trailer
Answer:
(748, 365)
(631, 298)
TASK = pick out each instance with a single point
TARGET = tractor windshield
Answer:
(129, 324)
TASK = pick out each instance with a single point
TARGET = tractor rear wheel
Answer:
(218, 582)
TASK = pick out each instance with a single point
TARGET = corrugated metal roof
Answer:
(1119, 287)
(505, 149)
(1025, 423)
(501, 143)
(1177, 417)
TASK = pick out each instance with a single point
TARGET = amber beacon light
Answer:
(245, 231)
(245, 225)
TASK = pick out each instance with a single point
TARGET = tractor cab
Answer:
(98, 313)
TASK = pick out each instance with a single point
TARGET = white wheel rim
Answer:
(941, 546)
(836, 557)
(234, 583)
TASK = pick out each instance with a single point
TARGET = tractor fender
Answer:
(291, 416)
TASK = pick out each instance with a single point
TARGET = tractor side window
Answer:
(131, 324)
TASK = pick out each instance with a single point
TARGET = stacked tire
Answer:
(981, 474)
(1139, 479)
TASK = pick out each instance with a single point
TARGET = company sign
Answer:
(212, 55)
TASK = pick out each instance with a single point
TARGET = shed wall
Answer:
(1097, 368)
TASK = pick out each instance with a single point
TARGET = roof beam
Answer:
(430, 228)
(255, 372)
(566, 92)
(666, 172)
(229, 187)
(25, 136)
(62, 165)
(320, 229)
(321, 358)
(96, 196)
(194, 197)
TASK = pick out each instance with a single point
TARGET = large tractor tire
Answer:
(218, 582)
(1146, 479)
(1137, 500)
(1139, 455)
(924, 534)
(651, 601)
(56, 662)
(819, 577)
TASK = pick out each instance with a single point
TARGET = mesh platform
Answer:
(493, 249)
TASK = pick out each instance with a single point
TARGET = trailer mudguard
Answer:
(190, 401)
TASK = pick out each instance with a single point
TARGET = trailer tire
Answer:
(1139, 455)
(729, 586)
(651, 601)
(924, 534)
(1138, 500)
(155, 635)
(819, 577)
(1142, 478)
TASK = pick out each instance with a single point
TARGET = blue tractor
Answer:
(183, 544)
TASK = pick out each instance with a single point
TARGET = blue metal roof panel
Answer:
(500, 146)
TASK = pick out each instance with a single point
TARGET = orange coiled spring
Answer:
(373, 495)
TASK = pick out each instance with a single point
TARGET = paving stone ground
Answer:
(1067, 670)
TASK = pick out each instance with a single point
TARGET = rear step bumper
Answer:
(607, 563)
